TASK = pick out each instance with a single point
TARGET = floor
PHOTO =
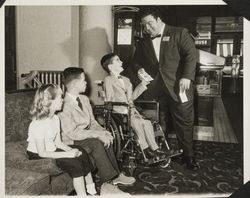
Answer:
(227, 122)
(234, 107)
(223, 130)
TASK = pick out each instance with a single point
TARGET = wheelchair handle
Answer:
(118, 103)
(109, 105)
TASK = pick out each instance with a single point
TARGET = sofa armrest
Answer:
(41, 165)
(16, 157)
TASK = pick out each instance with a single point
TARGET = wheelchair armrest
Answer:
(109, 105)
(146, 104)
(97, 109)
(149, 109)
(119, 104)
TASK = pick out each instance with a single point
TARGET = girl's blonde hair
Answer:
(40, 107)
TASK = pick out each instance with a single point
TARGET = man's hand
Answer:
(184, 84)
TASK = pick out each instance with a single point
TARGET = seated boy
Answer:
(79, 127)
(119, 89)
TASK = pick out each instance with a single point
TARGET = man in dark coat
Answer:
(169, 55)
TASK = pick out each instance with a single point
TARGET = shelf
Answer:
(203, 42)
(211, 67)
(229, 24)
(229, 76)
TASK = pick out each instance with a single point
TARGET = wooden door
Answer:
(10, 49)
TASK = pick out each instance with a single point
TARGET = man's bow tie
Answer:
(157, 36)
(119, 77)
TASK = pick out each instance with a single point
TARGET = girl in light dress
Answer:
(44, 140)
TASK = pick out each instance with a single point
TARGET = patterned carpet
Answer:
(221, 172)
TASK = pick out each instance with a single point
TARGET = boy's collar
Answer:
(115, 75)
(72, 96)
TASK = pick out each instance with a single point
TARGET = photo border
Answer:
(246, 60)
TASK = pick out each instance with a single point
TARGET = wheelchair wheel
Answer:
(112, 127)
(165, 163)
(117, 139)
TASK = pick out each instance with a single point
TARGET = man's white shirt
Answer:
(157, 43)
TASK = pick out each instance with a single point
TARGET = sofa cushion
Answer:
(16, 157)
(24, 182)
(17, 118)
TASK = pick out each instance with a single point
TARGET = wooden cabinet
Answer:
(208, 86)
(209, 80)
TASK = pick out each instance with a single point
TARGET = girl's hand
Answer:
(79, 153)
(74, 153)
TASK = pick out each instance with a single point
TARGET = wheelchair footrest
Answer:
(155, 160)
(174, 153)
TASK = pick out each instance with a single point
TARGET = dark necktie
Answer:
(157, 36)
(80, 105)
(79, 102)
(119, 77)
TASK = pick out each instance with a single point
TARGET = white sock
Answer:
(91, 189)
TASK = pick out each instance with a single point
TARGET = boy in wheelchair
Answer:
(119, 89)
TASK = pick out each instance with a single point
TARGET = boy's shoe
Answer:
(160, 153)
(123, 179)
(108, 189)
(149, 154)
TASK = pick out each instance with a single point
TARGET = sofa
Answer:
(24, 176)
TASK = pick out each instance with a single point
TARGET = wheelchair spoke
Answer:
(120, 129)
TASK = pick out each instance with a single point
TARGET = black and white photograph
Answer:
(125, 98)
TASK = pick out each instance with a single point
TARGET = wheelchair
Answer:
(126, 144)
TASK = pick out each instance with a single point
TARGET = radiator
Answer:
(49, 77)
(36, 78)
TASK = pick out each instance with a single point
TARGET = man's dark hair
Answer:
(71, 73)
(106, 60)
(155, 12)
